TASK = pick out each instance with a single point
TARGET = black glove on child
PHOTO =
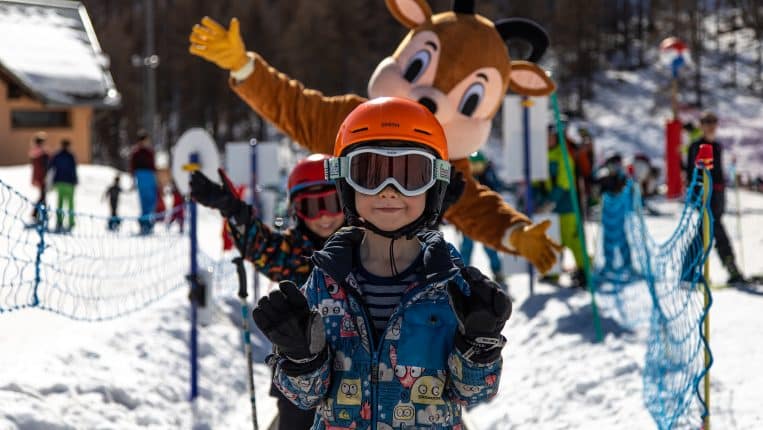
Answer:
(219, 197)
(481, 316)
(437, 262)
(296, 331)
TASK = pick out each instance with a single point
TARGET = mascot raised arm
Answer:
(456, 63)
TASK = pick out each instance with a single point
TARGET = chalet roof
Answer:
(49, 48)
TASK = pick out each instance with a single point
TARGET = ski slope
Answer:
(134, 372)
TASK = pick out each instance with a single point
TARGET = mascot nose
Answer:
(429, 104)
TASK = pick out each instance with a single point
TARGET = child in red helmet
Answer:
(388, 332)
(314, 202)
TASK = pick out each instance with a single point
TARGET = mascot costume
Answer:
(455, 63)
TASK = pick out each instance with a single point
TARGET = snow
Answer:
(133, 371)
(55, 52)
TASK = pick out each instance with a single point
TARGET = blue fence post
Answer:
(42, 227)
(194, 159)
(529, 209)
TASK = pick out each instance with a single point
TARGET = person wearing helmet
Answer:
(389, 331)
(314, 204)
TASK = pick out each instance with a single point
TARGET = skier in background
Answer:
(64, 170)
(112, 193)
(39, 158)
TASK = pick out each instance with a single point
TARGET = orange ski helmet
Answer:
(391, 118)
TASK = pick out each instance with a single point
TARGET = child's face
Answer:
(326, 225)
(389, 210)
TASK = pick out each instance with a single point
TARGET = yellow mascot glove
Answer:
(531, 242)
(214, 43)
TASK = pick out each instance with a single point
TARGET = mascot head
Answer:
(458, 65)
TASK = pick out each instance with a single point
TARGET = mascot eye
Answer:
(416, 372)
(471, 99)
(400, 371)
(417, 65)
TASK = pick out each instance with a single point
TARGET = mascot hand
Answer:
(531, 242)
(214, 43)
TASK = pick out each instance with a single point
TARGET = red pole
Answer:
(673, 158)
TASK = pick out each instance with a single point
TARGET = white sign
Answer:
(239, 157)
(513, 150)
(194, 141)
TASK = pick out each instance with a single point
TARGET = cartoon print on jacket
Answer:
(456, 63)
(372, 392)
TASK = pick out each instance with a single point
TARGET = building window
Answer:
(14, 91)
(39, 119)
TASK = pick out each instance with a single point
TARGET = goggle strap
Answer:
(442, 170)
(336, 168)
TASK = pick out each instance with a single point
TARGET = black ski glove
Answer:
(336, 256)
(437, 261)
(296, 331)
(219, 197)
(481, 316)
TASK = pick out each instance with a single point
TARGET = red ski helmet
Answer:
(308, 173)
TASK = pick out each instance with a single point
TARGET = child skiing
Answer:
(112, 193)
(281, 255)
(388, 332)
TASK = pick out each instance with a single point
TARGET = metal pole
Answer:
(529, 209)
(242, 294)
(151, 62)
(254, 201)
(194, 160)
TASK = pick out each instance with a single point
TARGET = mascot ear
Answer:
(528, 79)
(526, 39)
(410, 13)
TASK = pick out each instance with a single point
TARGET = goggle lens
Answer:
(411, 171)
(313, 206)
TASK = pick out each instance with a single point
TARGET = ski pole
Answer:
(239, 262)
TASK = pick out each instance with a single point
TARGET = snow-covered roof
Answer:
(49, 48)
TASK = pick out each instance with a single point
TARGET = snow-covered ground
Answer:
(134, 371)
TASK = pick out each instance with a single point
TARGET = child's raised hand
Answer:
(481, 316)
(210, 194)
(285, 318)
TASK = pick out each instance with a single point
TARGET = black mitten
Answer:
(296, 331)
(219, 197)
(481, 316)
(437, 261)
(336, 256)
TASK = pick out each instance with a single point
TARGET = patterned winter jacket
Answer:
(413, 378)
(281, 256)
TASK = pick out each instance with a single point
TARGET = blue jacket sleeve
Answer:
(472, 383)
(307, 390)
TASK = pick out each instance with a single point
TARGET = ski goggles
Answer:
(311, 206)
(370, 170)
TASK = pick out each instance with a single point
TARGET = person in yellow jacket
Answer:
(462, 79)
(555, 193)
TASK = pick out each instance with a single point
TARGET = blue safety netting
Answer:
(640, 280)
(90, 272)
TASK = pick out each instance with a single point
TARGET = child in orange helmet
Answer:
(389, 331)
